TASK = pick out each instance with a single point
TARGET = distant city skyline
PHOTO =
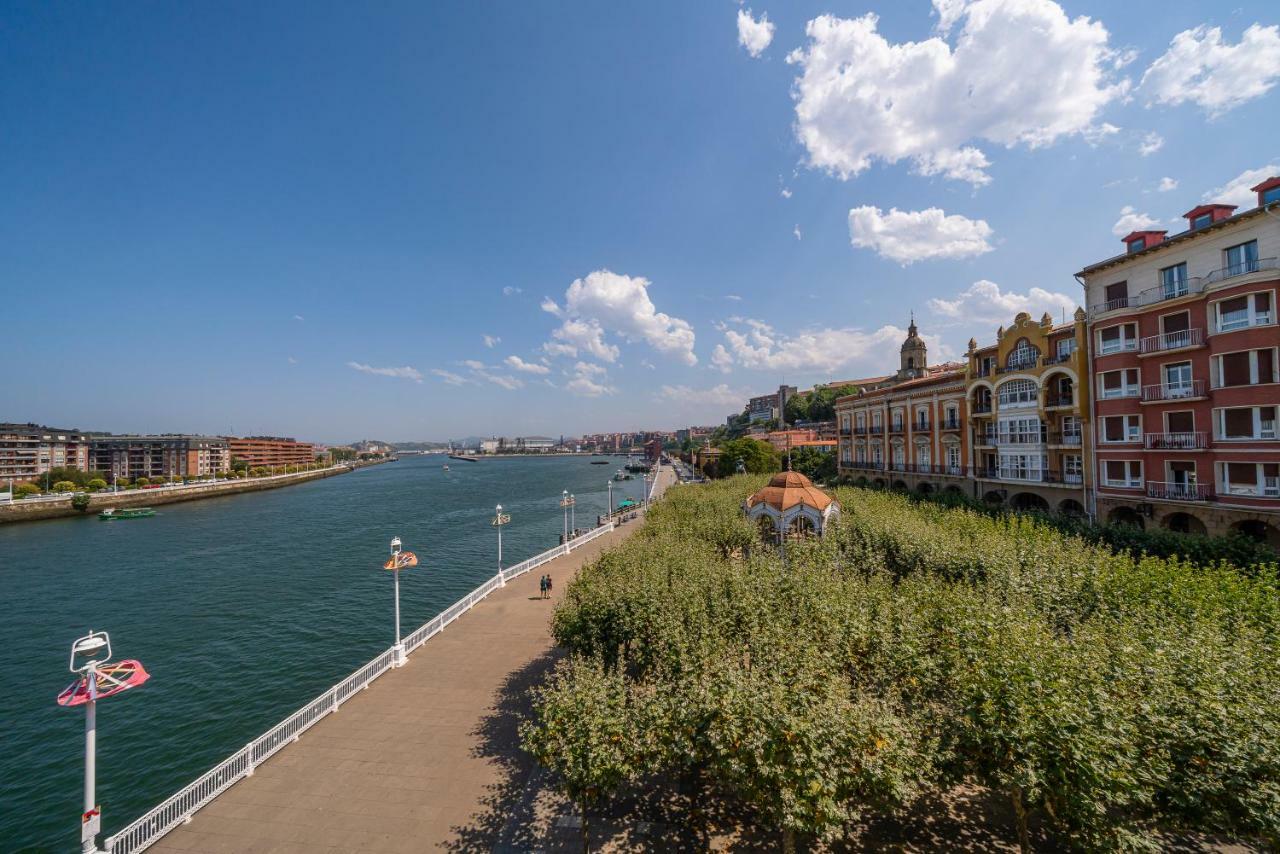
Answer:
(410, 223)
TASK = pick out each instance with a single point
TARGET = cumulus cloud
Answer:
(785, 192)
(910, 236)
(757, 345)
(405, 373)
(491, 341)
(1151, 143)
(480, 372)
(721, 360)
(754, 35)
(519, 364)
(1130, 220)
(984, 302)
(588, 380)
(718, 396)
(1236, 191)
(1020, 73)
(1200, 68)
(604, 301)
(1166, 184)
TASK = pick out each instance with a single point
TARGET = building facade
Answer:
(271, 451)
(159, 456)
(29, 450)
(1184, 364)
(1029, 416)
(911, 431)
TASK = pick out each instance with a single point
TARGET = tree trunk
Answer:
(586, 834)
(1020, 810)
(788, 841)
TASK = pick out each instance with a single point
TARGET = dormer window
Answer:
(1137, 244)
(1272, 195)
(1202, 220)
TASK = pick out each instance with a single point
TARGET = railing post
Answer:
(248, 765)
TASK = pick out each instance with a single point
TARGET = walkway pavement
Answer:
(427, 758)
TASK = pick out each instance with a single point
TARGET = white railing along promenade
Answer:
(179, 808)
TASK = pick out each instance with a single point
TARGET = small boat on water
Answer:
(446, 468)
(126, 513)
(621, 475)
(599, 462)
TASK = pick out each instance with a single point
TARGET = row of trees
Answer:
(75, 480)
(1109, 697)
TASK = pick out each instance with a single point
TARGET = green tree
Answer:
(819, 466)
(143, 481)
(96, 484)
(822, 401)
(797, 408)
(23, 490)
(238, 464)
(757, 457)
(63, 486)
(80, 501)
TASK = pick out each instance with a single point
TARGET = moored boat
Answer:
(126, 513)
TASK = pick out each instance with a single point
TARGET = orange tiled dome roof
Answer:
(789, 488)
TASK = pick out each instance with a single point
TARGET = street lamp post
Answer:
(99, 678)
(566, 502)
(609, 507)
(398, 561)
(500, 519)
(573, 517)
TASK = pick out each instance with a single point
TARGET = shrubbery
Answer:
(915, 647)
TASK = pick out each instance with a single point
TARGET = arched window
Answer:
(1018, 393)
(1023, 355)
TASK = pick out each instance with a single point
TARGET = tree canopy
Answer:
(757, 457)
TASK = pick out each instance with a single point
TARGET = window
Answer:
(1071, 426)
(922, 419)
(1246, 422)
(1116, 339)
(1180, 422)
(1117, 295)
(953, 458)
(922, 455)
(1248, 367)
(860, 452)
(1256, 479)
(845, 454)
(862, 421)
(1137, 244)
(1022, 431)
(1065, 347)
(1022, 466)
(877, 454)
(1072, 468)
(1272, 195)
(1121, 428)
(1023, 355)
(1122, 383)
(1126, 474)
(875, 419)
(953, 416)
(1242, 259)
(897, 419)
(1243, 311)
(899, 455)
(1018, 393)
(1173, 281)
(1177, 380)
(1202, 220)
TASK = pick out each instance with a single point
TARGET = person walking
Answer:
(542, 587)
(548, 585)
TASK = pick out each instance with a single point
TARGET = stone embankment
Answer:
(29, 510)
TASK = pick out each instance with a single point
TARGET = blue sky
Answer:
(305, 219)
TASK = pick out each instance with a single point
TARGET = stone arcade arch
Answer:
(1070, 507)
(1184, 523)
(924, 487)
(1257, 529)
(994, 497)
(1126, 516)
(1029, 501)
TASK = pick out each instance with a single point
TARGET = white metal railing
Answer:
(178, 809)
(1172, 340)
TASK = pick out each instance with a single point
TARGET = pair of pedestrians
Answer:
(544, 586)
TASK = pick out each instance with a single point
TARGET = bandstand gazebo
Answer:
(791, 506)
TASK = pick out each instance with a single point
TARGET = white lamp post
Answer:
(565, 503)
(609, 485)
(500, 519)
(573, 518)
(398, 561)
(99, 678)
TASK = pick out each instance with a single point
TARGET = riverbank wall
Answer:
(28, 510)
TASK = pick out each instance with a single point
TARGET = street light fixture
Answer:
(565, 503)
(398, 561)
(500, 519)
(99, 678)
(573, 518)
(609, 507)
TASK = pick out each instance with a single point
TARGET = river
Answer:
(242, 608)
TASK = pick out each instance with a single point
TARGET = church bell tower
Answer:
(915, 355)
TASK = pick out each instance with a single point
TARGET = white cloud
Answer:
(519, 364)
(1236, 191)
(450, 377)
(606, 301)
(754, 35)
(491, 341)
(1201, 68)
(511, 290)
(1020, 73)
(733, 297)
(984, 302)
(474, 364)
(509, 383)
(910, 236)
(785, 192)
(298, 318)
(555, 348)
(293, 361)
(405, 373)
(1166, 184)
(549, 306)
(1130, 220)
(826, 351)
(796, 231)
(718, 396)
(589, 380)
(1151, 143)
(721, 359)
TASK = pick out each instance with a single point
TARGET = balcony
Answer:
(864, 465)
(1030, 476)
(1188, 390)
(1003, 439)
(1019, 365)
(1057, 360)
(846, 431)
(876, 430)
(859, 431)
(1244, 268)
(920, 427)
(1110, 305)
(1175, 441)
(1179, 491)
(1179, 340)
(950, 424)
(1120, 392)
(897, 428)
(982, 408)
(1118, 345)
(984, 440)
(1061, 400)
(1067, 438)
(933, 468)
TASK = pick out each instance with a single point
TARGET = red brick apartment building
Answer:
(1183, 352)
(271, 451)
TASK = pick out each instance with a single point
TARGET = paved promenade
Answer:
(426, 759)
